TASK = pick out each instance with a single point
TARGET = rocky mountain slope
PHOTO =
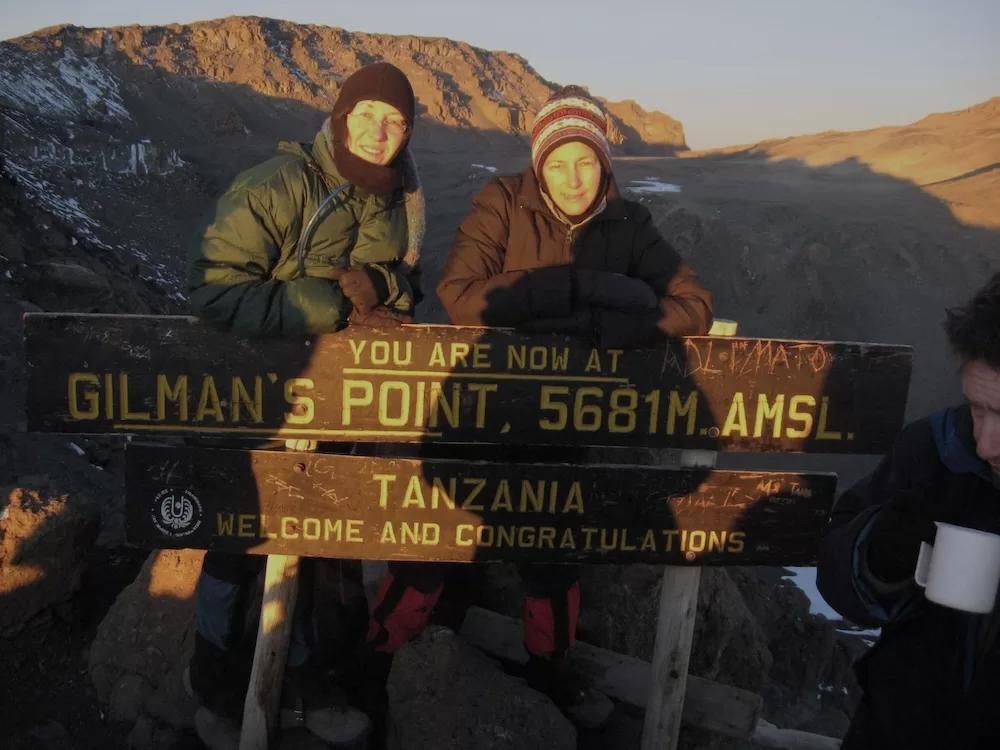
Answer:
(101, 123)
(478, 93)
(952, 155)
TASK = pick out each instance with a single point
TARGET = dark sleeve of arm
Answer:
(685, 307)
(229, 275)
(475, 290)
(842, 574)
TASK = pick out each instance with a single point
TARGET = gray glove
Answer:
(612, 290)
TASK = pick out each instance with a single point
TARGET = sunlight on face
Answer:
(375, 131)
(572, 175)
(981, 386)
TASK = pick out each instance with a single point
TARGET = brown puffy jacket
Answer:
(512, 264)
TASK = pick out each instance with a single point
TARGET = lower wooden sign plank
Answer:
(342, 506)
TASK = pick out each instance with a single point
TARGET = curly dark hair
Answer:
(974, 328)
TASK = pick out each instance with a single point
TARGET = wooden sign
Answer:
(343, 506)
(172, 375)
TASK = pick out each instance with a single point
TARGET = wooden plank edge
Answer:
(768, 735)
(707, 705)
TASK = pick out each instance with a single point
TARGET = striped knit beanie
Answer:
(571, 114)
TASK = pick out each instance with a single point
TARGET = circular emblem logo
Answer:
(176, 512)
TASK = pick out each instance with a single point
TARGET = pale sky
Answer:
(732, 71)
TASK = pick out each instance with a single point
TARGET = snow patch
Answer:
(67, 209)
(51, 150)
(74, 86)
(13, 117)
(284, 54)
(862, 632)
(653, 186)
(805, 579)
(143, 158)
(158, 273)
(97, 86)
(496, 96)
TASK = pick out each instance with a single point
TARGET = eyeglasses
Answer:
(395, 126)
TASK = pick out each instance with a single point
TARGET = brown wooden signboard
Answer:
(173, 375)
(343, 506)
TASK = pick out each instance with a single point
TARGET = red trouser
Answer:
(406, 599)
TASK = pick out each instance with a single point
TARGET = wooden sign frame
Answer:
(173, 375)
(351, 507)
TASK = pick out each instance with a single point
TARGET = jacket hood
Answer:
(956, 445)
(317, 153)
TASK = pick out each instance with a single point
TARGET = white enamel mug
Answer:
(961, 570)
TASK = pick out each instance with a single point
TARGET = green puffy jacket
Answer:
(244, 268)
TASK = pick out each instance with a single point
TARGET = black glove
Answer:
(580, 323)
(894, 539)
(380, 317)
(612, 290)
(365, 287)
(614, 329)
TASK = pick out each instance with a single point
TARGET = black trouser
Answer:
(227, 580)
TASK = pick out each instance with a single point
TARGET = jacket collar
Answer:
(322, 154)
(956, 445)
(319, 156)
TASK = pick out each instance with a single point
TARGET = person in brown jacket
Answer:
(556, 249)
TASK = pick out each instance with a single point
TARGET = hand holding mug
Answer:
(895, 537)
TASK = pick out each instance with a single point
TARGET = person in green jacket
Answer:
(322, 233)
(320, 236)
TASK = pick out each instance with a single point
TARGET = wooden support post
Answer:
(277, 614)
(675, 627)
(672, 649)
(260, 712)
(671, 656)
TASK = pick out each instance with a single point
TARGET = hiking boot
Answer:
(216, 732)
(218, 679)
(570, 691)
(313, 705)
(310, 700)
(364, 677)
